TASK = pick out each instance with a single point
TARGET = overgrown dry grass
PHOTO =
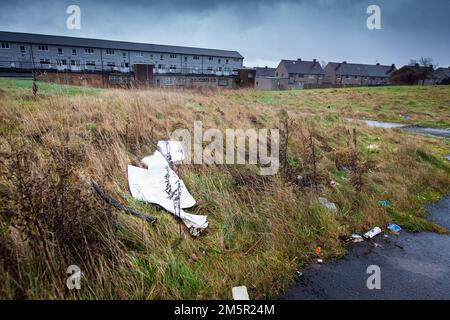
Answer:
(261, 229)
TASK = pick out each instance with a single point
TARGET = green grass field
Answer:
(261, 229)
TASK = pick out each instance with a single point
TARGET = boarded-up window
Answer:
(223, 82)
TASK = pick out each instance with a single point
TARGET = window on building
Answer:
(356, 77)
(75, 62)
(223, 82)
(42, 48)
(173, 56)
(210, 68)
(236, 60)
(110, 52)
(111, 64)
(60, 52)
(185, 59)
(218, 60)
(44, 61)
(22, 49)
(226, 61)
(210, 58)
(173, 67)
(90, 63)
(168, 81)
(161, 57)
(74, 52)
(89, 50)
(140, 54)
(346, 77)
(124, 54)
(196, 57)
(5, 45)
(181, 81)
(61, 62)
(124, 64)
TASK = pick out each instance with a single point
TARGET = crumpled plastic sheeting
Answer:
(171, 150)
(159, 184)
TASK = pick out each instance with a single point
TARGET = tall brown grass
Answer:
(261, 228)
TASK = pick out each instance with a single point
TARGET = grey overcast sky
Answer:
(264, 32)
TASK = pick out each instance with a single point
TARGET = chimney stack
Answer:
(299, 59)
(344, 62)
(378, 63)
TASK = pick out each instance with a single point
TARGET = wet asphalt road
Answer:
(439, 212)
(413, 266)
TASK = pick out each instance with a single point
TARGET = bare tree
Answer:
(426, 62)
(413, 62)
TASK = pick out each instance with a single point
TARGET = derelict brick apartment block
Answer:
(160, 65)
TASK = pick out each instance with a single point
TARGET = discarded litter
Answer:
(240, 293)
(406, 117)
(318, 250)
(106, 197)
(160, 185)
(372, 233)
(328, 204)
(357, 238)
(171, 150)
(333, 183)
(320, 261)
(373, 147)
(385, 203)
(394, 228)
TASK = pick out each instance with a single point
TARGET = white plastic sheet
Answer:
(160, 185)
(171, 150)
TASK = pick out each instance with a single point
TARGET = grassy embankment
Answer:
(261, 229)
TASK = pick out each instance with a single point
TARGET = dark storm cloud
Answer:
(263, 31)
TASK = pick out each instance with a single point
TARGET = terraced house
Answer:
(300, 73)
(343, 73)
(160, 64)
(439, 76)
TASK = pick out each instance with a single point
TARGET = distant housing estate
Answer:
(310, 74)
(357, 74)
(96, 62)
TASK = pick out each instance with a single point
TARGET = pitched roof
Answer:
(302, 67)
(265, 72)
(442, 72)
(111, 44)
(365, 70)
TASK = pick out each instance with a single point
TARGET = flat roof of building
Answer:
(112, 44)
